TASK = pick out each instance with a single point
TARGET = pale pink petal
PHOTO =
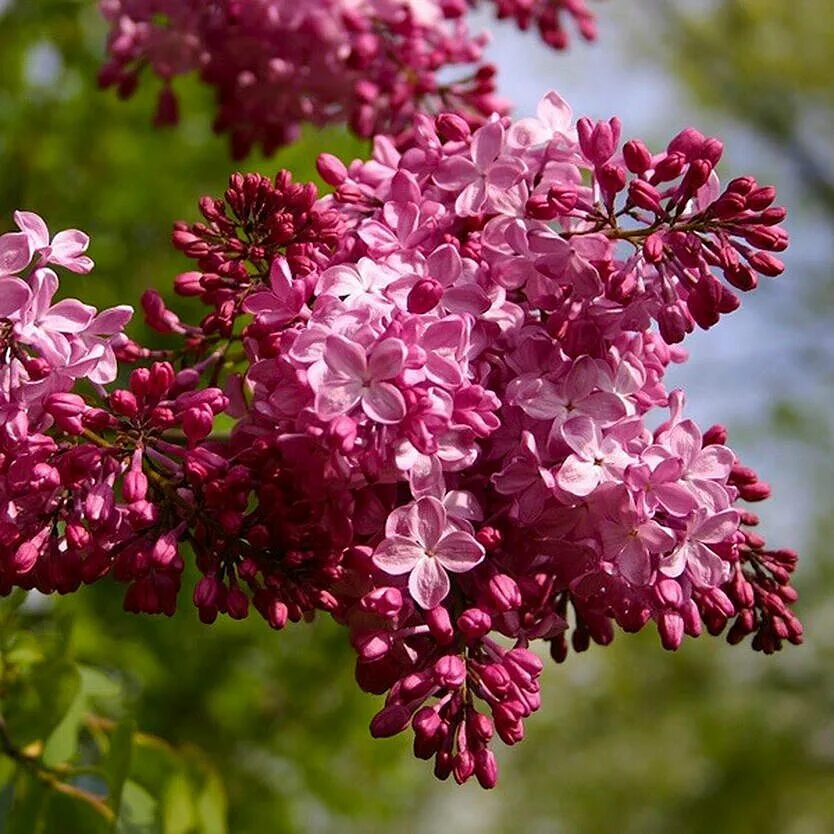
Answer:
(675, 499)
(579, 477)
(428, 583)
(603, 407)
(384, 403)
(717, 528)
(336, 396)
(634, 564)
(674, 563)
(712, 463)
(342, 280)
(684, 441)
(468, 298)
(505, 174)
(472, 199)
(387, 359)
(612, 536)
(455, 173)
(486, 144)
(14, 296)
(459, 552)
(69, 316)
(555, 112)
(582, 435)
(582, 378)
(397, 555)
(657, 538)
(444, 264)
(705, 567)
(15, 252)
(111, 321)
(345, 358)
(34, 227)
(427, 520)
(68, 249)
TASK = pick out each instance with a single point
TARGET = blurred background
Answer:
(268, 732)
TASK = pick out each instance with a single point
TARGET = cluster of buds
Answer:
(430, 404)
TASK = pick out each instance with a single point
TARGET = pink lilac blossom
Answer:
(442, 394)
(277, 64)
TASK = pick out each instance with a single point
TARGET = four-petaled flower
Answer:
(352, 377)
(421, 542)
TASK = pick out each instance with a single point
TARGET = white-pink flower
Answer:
(66, 249)
(423, 543)
(354, 377)
(595, 458)
(706, 568)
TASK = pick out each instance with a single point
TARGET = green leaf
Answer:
(62, 743)
(178, 806)
(69, 815)
(31, 798)
(117, 765)
(37, 704)
(139, 813)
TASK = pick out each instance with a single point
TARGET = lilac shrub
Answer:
(444, 416)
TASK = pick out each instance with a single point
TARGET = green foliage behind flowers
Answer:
(73, 759)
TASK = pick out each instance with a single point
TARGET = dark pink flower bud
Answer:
(373, 645)
(611, 178)
(637, 156)
(766, 264)
(385, 602)
(164, 552)
(67, 410)
(237, 603)
(670, 627)
(474, 623)
(389, 721)
(503, 592)
(450, 671)
(760, 198)
(645, 196)
(524, 660)
(167, 108)
(669, 168)
(197, 424)
(486, 768)
(452, 127)
(674, 323)
(189, 284)
(209, 592)
(715, 436)
(464, 766)
(135, 485)
(687, 143)
(25, 557)
(331, 169)
(598, 141)
(424, 295)
(440, 625)
(653, 248)
(490, 538)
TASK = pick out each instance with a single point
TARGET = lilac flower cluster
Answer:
(444, 417)
(276, 64)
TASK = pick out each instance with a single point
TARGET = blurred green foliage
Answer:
(244, 730)
(767, 63)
